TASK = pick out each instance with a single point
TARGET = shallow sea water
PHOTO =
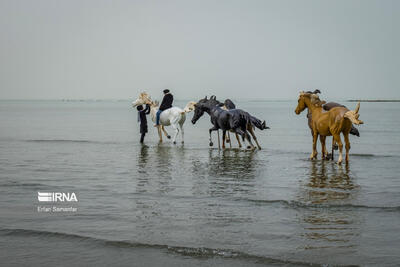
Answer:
(189, 204)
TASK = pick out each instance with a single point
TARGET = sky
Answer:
(238, 49)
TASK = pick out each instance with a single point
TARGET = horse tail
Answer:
(354, 131)
(353, 115)
(257, 123)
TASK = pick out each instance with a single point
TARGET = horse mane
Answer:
(316, 91)
(190, 106)
(316, 101)
(229, 104)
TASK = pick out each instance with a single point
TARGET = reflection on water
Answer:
(142, 178)
(232, 163)
(225, 173)
(143, 158)
(328, 183)
(231, 172)
(330, 221)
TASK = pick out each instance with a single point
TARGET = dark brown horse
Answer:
(235, 120)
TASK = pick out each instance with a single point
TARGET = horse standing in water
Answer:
(327, 107)
(173, 116)
(229, 105)
(333, 122)
(235, 120)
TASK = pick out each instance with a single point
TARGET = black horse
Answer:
(236, 120)
(228, 105)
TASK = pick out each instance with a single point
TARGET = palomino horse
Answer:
(327, 107)
(333, 122)
(174, 116)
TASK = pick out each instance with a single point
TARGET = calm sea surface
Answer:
(192, 205)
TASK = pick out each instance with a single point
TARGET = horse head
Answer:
(143, 98)
(301, 102)
(205, 105)
(306, 98)
(199, 109)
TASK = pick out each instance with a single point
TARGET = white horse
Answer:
(174, 116)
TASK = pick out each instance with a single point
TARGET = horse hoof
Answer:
(228, 141)
(335, 147)
(211, 143)
(168, 136)
(174, 142)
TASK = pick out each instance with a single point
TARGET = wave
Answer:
(69, 141)
(298, 204)
(367, 155)
(21, 184)
(198, 252)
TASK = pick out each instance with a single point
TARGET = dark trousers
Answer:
(142, 137)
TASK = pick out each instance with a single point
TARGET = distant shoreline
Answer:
(373, 100)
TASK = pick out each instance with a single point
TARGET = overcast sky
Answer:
(239, 49)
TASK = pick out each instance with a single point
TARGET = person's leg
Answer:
(158, 117)
(142, 137)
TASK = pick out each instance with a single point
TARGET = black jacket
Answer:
(143, 119)
(167, 102)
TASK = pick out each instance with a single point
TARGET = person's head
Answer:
(166, 91)
(139, 108)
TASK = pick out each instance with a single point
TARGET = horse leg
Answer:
(241, 132)
(165, 132)
(252, 147)
(219, 144)
(347, 142)
(182, 133)
(250, 129)
(159, 133)
(339, 142)
(223, 139)
(229, 138)
(314, 146)
(238, 140)
(244, 134)
(210, 130)
(323, 148)
(175, 126)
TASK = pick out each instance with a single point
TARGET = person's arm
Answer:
(163, 103)
(147, 110)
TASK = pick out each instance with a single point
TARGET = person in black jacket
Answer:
(143, 120)
(166, 103)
